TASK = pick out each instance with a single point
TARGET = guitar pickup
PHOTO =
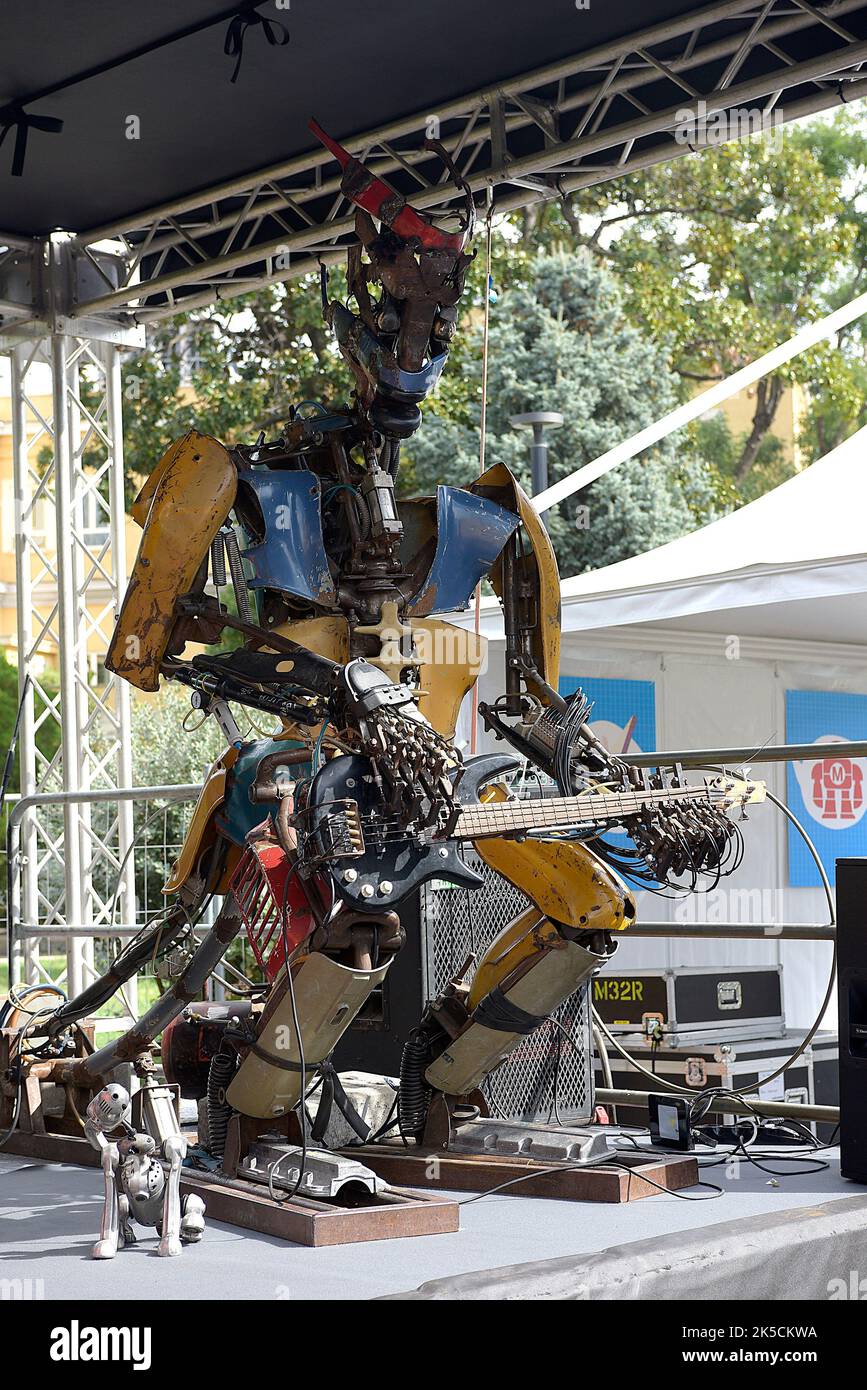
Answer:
(333, 831)
(353, 833)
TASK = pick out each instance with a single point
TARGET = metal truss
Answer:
(581, 121)
(70, 572)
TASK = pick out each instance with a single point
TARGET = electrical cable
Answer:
(602, 1163)
(808, 1037)
(483, 440)
(759, 1158)
(290, 983)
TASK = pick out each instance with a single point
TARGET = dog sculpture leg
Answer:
(109, 1226)
(193, 1219)
(127, 1233)
(107, 1113)
(175, 1150)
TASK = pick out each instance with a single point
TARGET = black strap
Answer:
(499, 1013)
(14, 117)
(332, 1093)
(247, 18)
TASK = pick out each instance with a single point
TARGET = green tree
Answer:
(48, 733)
(562, 342)
(726, 253)
(230, 371)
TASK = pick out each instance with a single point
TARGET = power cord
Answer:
(302, 1113)
(716, 1191)
(660, 1082)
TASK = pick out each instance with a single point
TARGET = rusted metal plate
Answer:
(428, 1168)
(391, 1216)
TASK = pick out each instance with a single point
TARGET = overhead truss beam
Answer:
(583, 120)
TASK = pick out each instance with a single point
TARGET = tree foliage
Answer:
(610, 306)
(561, 342)
(726, 253)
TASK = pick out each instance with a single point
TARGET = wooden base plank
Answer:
(51, 1148)
(431, 1169)
(389, 1216)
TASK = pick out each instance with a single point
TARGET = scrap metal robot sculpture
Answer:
(313, 837)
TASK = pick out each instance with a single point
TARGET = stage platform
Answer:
(786, 1241)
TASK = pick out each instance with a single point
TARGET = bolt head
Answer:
(367, 890)
(350, 875)
(385, 887)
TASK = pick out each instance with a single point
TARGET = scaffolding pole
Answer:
(70, 574)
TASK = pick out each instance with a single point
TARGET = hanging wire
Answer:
(483, 437)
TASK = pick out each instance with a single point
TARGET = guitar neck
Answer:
(563, 812)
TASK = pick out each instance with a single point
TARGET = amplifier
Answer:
(677, 1005)
(545, 1078)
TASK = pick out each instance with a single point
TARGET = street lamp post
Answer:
(538, 420)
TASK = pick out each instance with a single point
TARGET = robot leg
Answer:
(193, 1219)
(174, 1150)
(109, 1227)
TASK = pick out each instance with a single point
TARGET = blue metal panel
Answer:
(471, 533)
(238, 814)
(292, 556)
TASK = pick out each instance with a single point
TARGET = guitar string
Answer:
(553, 814)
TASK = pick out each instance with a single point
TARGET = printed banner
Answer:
(623, 714)
(829, 795)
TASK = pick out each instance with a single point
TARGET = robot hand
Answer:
(415, 763)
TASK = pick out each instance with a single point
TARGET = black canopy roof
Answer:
(357, 66)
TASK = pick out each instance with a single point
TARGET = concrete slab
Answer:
(49, 1217)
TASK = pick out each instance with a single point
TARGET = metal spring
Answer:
(218, 561)
(239, 581)
(414, 1095)
(220, 1073)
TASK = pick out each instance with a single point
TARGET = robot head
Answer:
(398, 342)
(109, 1108)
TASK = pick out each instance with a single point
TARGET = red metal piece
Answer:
(266, 893)
(378, 198)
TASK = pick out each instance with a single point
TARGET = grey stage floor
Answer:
(49, 1216)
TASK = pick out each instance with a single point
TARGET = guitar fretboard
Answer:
(562, 812)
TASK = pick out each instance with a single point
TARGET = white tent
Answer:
(786, 576)
(793, 563)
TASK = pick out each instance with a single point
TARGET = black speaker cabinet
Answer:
(852, 1003)
(545, 1077)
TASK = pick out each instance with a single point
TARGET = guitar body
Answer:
(394, 863)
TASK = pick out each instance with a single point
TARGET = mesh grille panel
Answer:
(456, 922)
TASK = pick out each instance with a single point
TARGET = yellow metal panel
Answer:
(201, 831)
(528, 936)
(326, 636)
(193, 496)
(566, 881)
(451, 661)
(539, 567)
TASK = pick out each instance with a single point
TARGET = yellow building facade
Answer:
(95, 536)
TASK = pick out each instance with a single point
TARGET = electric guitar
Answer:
(376, 862)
